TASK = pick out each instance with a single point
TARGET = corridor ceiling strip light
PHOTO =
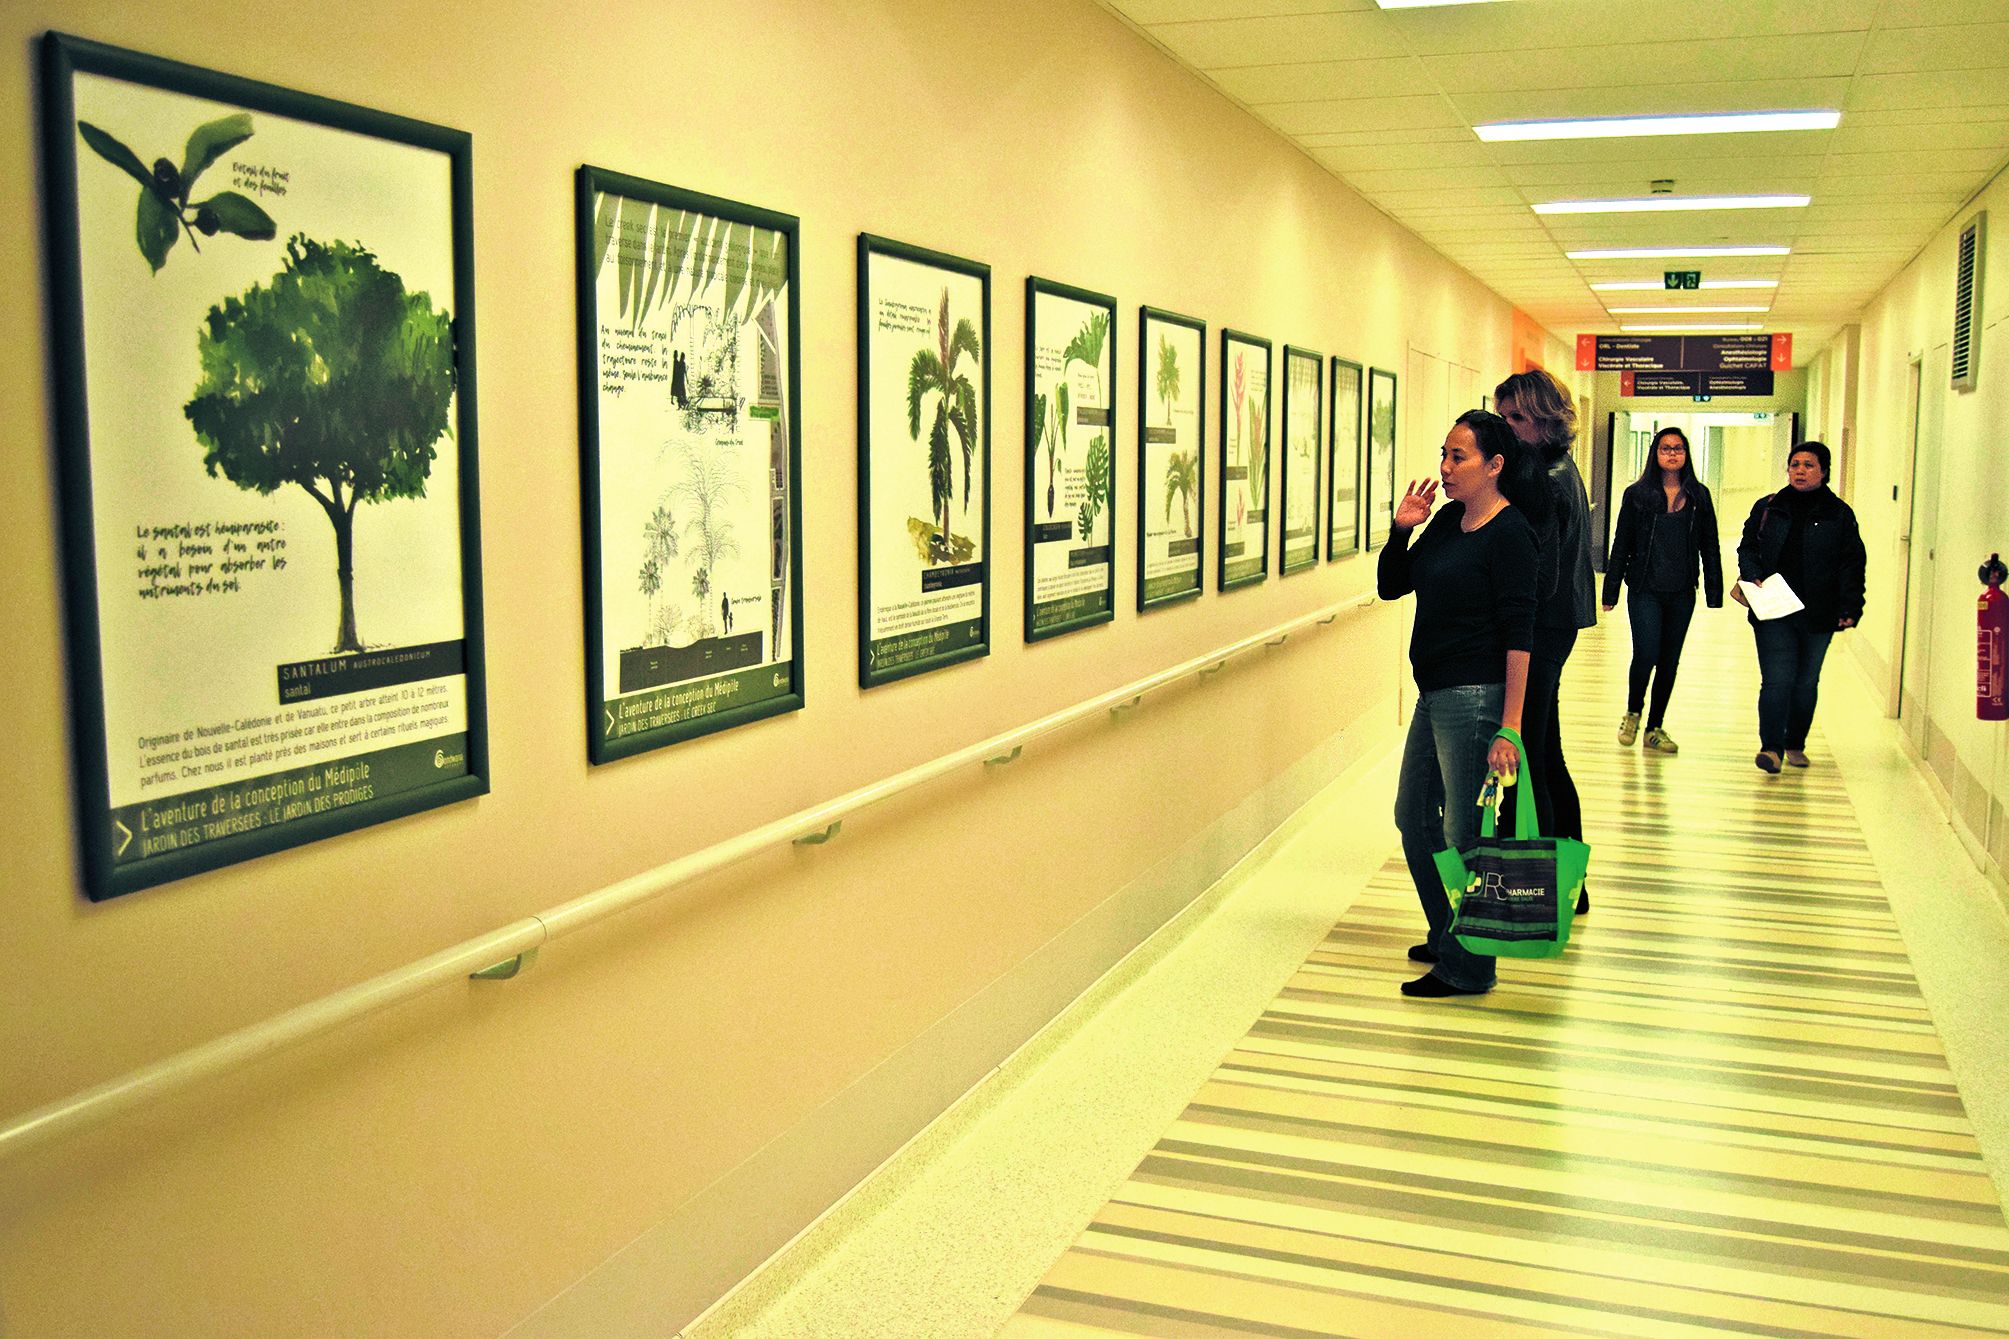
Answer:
(1662, 204)
(1689, 329)
(1679, 311)
(1620, 127)
(1670, 252)
(1644, 285)
(1427, 4)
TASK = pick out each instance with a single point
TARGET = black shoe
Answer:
(1433, 987)
(1422, 953)
(1768, 761)
(1583, 901)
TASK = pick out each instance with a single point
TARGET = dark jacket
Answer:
(1566, 589)
(1632, 542)
(1830, 579)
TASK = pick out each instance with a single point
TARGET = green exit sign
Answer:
(1684, 278)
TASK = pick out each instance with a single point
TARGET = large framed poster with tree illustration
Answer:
(688, 377)
(1245, 458)
(1342, 495)
(1303, 418)
(264, 343)
(1070, 471)
(924, 450)
(1171, 409)
(1381, 484)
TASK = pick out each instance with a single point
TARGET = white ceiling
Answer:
(1387, 100)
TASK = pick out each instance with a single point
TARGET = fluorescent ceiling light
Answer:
(1619, 127)
(1426, 4)
(1673, 329)
(1678, 311)
(1657, 204)
(1642, 285)
(1670, 252)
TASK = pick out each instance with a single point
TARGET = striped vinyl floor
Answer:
(1723, 1111)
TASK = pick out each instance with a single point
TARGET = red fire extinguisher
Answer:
(1992, 648)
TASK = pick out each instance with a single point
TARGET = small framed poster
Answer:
(1070, 459)
(924, 438)
(1342, 499)
(1381, 482)
(689, 372)
(1245, 457)
(1304, 440)
(264, 348)
(1171, 412)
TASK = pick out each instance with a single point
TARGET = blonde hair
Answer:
(1545, 400)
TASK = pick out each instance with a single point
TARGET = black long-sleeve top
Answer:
(1637, 554)
(1812, 540)
(1475, 595)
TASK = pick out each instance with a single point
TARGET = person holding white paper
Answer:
(1806, 535)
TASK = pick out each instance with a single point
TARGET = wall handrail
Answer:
(514, 945)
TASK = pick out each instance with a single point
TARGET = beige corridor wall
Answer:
(728, 1061)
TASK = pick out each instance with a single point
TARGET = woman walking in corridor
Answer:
(1666, 536)
(1808, 536)
(1473, 574)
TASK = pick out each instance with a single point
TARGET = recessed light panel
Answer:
(1680, 311)
(1665, 204)
(1670, 252)
(1689, 329)
(1643, 285)
(1620, 127)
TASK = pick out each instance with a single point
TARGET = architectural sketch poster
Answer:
(1304, 418)
(1245, 456)
(1342, 506)
(1070, 358)
(1171, 410)
(267, 441)
(1382, 486)
(924, 471)
(688, 345)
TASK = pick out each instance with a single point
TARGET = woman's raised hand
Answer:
(1414, 508)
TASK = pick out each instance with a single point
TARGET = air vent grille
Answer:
(1967, 301)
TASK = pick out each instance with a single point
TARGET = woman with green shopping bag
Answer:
(1473, 575)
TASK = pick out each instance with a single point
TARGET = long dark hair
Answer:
(1649, 481)
(1523, 481)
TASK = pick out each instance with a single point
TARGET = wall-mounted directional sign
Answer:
(1701, 385)
(1685, 353)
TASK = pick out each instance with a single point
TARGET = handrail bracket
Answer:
(819, 838)
(507, 968)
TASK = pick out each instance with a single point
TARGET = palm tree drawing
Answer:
(707, 487)
(659, 539)
(1168, 377)
(933, 371)
(1182, 476)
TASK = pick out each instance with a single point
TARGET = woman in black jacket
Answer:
(1666, 535)
(1807, 535)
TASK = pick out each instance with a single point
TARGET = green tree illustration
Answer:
(1051, 418)
(659, 546)
(933, 372)
(1182, 477)
(332, 377)
(1168, 375)
(1086, 347)
(708, 486)
(165, 212)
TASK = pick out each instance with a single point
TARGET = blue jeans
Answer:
(1659, 626)
(1445, 756)
(1789, 673)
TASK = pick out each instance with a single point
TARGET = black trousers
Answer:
(1545, 772)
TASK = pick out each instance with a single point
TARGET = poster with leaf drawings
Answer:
(1342, 498)
(688, 375)
(924, 340)
(1304, 422)
(1381, 486)
(264, 343)
(1070, 459)
(1245, 459)
(1171, 412)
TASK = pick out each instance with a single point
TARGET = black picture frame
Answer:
(904, 653)
(1382, 455)
(1348, 398)
(142, 831)
(1171, 587)
(1073, 611)
(719, 677)
(1235, 566)
(1291, 483)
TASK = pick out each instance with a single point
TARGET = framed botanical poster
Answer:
(264, 347)
(1342, 497)
(1304, 439)
(689, 372)
(1171, 409)
(1070, 459)
(924, 450)
(1245, 457)
(1381, 484)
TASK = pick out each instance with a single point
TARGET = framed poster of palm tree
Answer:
(1171, 414)
(924, 389)
(1303, 458)
(1245, 458)
(1381, 485)
(1342, 497)
(689, 369)
(1070, 458)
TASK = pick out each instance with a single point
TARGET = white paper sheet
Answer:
(1774, 599)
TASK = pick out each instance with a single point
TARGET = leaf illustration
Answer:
(1038, 420)
(158, 229)
(657, 262)
(714, 252)
(630, 232)
(117, 154)
(227, 211)
(685, 233)
(603, 229)
(211, 142)
(738, 263)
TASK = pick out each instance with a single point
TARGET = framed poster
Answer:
(1070, 459)
(1171, 412)
(1245, 456)
(689, 375)
(1304, 436)
(266, 435)
(1381, 482)
(924, 450)
(1342, 498)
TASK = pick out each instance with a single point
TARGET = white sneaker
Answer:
(1659, 741)
(1628, 727)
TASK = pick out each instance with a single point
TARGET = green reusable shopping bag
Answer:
(1514, 897)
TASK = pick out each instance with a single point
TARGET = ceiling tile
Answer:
(1505, 28)
(1370, 158)
(1175, 11)
(1224, 44)
(1819, 55)
(1970, 46)
(1361, 114)
(1938, 88)
(1327, 80)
